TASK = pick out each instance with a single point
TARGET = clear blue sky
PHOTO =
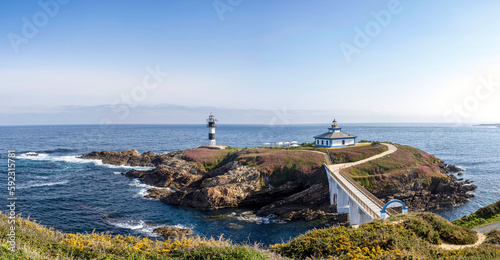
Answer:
(263, 59)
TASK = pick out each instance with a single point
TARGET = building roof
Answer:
(335, 135)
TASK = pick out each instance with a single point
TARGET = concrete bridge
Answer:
(351, 198)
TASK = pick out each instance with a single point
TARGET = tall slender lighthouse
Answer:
(211, 124)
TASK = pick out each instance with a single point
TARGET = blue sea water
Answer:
(77, 195)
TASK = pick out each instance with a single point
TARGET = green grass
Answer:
(354, 153)
(481, 217)
(406, 165)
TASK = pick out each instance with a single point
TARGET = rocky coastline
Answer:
(180, 182)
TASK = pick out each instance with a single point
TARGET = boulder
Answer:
(171, 232)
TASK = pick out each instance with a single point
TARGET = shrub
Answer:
(493, 237)
(482, 216)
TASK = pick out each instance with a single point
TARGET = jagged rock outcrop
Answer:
(448, 168)
(309, 204)
(130, 158)
(177, 174)
(442, 193)
(222, 191)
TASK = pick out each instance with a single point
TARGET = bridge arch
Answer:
(384, 213)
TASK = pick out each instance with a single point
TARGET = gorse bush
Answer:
(482, 216)
(407, 235)
(39, 242)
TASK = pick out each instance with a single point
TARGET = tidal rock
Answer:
(448, 168)
(128, 158)
(155, 193)
(177, 174)
(170, 232)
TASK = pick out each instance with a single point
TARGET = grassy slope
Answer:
(280, 164)
(38, 242)
(482, 216)
(354, 153)
(406, 236)
(412, 236)
(399, 168)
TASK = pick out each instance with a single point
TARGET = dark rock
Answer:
(452, 168)
(310, 204)
(155, 193)
(443, 192)
(460, 174)
(177, 174)
(169, 232)
(448, 168)
(222, 191)
(128, 158)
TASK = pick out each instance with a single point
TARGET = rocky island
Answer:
(290, 183)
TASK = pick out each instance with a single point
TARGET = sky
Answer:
(259, 61)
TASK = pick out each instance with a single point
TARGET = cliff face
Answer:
(290, 184)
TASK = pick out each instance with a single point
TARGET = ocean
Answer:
(77, 195)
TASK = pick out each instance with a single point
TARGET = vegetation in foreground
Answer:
(481, 217)
(411, 236)
(35, 241)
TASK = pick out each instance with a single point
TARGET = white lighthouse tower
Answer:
(211, 125)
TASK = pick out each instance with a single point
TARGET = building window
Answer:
(326, 142)
(343, 142)
(321, 142)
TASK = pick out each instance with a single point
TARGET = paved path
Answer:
(488, 228)
(365, 199)
(480, 240)
(339, 166)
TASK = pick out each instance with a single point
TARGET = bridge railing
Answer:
(372, 213)
(367, 193)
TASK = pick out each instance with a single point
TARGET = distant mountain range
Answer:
(494, 125)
